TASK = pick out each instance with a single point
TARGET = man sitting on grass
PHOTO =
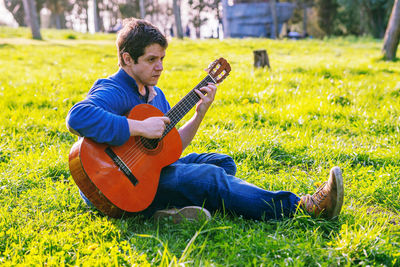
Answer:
(196, 183)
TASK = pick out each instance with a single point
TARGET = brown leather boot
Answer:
(327, 201)
(190, 213)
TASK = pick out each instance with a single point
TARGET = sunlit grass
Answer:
(322, 103)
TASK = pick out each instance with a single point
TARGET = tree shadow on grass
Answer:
(6, 46)
(382, 59)
(273, 156)
(367, 159)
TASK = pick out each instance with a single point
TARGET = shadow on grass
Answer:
(57, 173)
(383, 59)
(274, 156)
(6, 46)
(367, 159)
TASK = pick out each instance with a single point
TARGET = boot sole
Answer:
(340, 190)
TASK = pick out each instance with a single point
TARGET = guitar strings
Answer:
(135, 153)
(188, 102)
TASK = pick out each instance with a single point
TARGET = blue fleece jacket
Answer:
(102, 115)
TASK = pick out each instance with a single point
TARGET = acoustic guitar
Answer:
(118, 179)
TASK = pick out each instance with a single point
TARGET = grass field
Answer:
(323, 103)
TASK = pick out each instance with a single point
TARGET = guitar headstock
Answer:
(219, 69)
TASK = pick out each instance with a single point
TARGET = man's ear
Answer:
(127, 58)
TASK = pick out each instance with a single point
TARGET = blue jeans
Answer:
(208, 180)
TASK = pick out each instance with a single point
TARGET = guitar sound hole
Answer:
(150, 143)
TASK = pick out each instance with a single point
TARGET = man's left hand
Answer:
(207, 96)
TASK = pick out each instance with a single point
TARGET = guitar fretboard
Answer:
(176, 113)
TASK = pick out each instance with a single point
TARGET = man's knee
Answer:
(228, 164)
(206, 178)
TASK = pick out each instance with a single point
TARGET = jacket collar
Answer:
(129, 82)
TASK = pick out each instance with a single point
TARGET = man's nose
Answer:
(159, 65)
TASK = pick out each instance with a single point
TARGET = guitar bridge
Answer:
(122, 166)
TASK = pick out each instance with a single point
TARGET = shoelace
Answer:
(319, 196)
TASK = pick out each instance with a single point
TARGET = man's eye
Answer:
(151, 59)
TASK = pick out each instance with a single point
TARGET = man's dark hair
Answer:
(135, 36)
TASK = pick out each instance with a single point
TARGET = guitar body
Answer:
(94, 169)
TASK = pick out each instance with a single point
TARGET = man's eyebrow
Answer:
(151, 55)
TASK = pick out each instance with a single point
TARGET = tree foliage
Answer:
(16, 8)
(377, 12)
(343, 17)
(130, 9)
(198, 10)
(361, 17)
(327, 10)
(58, 10)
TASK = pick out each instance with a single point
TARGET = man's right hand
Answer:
(151, 128)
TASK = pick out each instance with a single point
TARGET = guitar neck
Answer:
(177, 112)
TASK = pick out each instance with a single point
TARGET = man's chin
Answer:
(154, 82)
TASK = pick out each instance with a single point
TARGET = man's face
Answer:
(149, 66)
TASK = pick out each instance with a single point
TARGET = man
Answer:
(195, 183)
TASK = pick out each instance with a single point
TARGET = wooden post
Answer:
(261, 59)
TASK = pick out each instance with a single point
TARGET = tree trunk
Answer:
(87, 19)
(225, 23)
(55, 21)
(305, 32)
(392, 34)
(100, 19)
(178, 21)
(142, 9)
(95, 17)
(32, 18)
(274, 32)
(157, 9)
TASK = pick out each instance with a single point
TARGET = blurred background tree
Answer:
(198, 11)
(342, 17)
(317, 18)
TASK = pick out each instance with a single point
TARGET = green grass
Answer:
(323, 103)
(52, 34)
